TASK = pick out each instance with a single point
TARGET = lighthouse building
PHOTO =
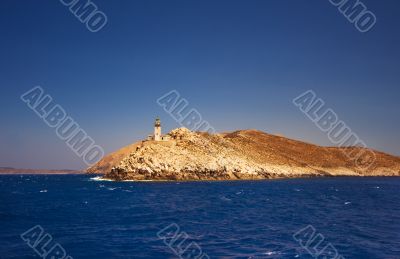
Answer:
(157, 136)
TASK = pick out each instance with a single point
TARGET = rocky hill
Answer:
(244, 154)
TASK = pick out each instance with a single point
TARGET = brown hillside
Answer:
(244, 154)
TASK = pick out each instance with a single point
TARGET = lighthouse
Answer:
(157, 130)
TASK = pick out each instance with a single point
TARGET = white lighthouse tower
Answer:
(157, 130)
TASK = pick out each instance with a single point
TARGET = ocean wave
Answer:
(100, 179)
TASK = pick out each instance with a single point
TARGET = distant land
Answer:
(240, 155)
(11, 170)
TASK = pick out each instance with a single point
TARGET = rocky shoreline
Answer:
(239, 155)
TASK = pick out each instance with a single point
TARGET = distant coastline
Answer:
(11, 170)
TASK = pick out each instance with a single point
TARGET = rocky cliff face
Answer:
(246, 154)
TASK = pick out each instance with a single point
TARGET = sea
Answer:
(82, 216)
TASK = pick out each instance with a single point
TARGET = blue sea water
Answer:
(359, 217)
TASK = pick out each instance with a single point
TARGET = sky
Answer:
(238, 63)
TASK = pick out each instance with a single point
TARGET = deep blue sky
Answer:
(240, 63)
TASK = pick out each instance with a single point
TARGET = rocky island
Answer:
(240, 155)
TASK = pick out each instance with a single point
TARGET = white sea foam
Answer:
(271, 253)
(100, 179)
(224, 198)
